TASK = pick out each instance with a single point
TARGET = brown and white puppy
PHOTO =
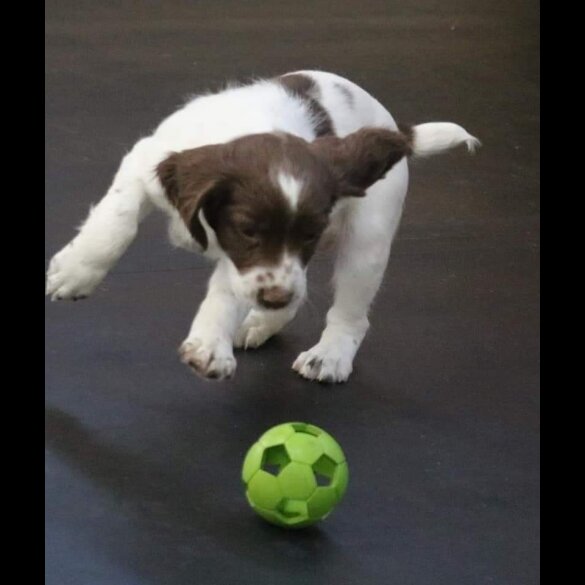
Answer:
(268, 199)
(252, 177)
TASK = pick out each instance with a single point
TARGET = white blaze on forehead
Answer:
(290, 186)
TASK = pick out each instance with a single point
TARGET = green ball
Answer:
(295, 474)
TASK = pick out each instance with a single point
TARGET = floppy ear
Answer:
(194, 184)
(362, 158)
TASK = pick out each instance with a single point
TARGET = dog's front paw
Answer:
(253, 332)
(68, 277)
(213, 361)
(325, 362)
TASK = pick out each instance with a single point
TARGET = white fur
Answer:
(259, 326)
(290, 187)
(228, 315)
(288, 274)
(435, 137)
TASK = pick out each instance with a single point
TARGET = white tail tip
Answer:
(436, 137)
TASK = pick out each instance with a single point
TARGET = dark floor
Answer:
(440, 421)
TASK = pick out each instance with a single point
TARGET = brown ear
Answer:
(167, 175)
(193, 183)
(364, 157)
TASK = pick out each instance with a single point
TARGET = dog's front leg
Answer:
(259, 326)
(363, 254)
(208, 349)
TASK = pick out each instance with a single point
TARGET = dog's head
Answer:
(265, 200)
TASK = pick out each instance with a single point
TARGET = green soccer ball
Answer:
(295, 474)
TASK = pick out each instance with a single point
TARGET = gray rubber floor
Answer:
(440, 421)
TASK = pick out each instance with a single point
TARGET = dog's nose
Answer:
(274, 297)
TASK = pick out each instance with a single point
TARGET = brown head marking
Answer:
(235, 186)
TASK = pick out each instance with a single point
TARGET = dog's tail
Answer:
(435, 137)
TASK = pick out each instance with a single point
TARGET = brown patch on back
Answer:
(304, 88)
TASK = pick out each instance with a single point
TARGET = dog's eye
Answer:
(250, 233)
(311, 238)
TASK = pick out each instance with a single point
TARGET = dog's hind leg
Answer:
(81, 265)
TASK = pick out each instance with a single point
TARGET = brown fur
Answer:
(274, 297)
(305, 89)
(235, 185)
(364, 157)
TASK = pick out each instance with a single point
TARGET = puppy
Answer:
(253, 177)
